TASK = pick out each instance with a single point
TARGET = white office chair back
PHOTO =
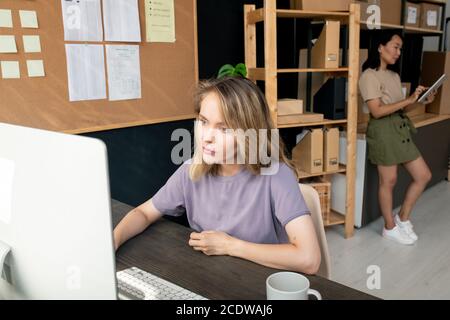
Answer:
(313, 202)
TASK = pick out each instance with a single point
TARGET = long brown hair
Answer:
(244, 107)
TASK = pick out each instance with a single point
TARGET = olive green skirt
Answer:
(389, 140)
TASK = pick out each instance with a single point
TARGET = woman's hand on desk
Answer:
(212, 243)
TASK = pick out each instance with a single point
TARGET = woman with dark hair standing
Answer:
(389, 134)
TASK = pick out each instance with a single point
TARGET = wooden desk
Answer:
(164, 251)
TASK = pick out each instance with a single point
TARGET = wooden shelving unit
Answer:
(268, 15)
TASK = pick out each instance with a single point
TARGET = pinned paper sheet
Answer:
(8, 44)
(10, 69)
(82, 20)
(121, 19)
(86, 72)
(124, 74)
(28, 19)
(32, 44)
(7, 168)
(160, 20)
(5, 18)
(35, 68)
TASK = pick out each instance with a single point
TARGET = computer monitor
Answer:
(55, 215)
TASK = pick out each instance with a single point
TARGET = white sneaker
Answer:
(396, 234)
(407, 227)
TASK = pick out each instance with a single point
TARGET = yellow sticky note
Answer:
(5, 18)
(35, 68)
(8, 44)
(31, 43)
(28, 19)
(160, 20)
(10, 69)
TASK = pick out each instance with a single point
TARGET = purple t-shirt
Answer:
(254, 208)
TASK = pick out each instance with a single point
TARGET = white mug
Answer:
(289, 286)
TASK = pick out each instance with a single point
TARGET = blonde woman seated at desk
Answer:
(236, 210)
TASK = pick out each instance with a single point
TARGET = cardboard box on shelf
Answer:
(331, 149)
(325, 53)
(308, 153)
(314, 5)
(430, 16)
(412, 15)
(306, 117)
(434, 64)
(289, 107)
(391, 11)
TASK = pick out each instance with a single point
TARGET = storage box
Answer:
(323, 188)
(331, 149)
(412, 15)
(325, 53)
(306, 117)
(308, 153)
(315, 5)
(290, 107)
(391, 11)
(434, 64)
(364, 5)
(430, 16)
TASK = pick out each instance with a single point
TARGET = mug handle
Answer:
(315, 293)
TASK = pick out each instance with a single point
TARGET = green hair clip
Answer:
(229, 71)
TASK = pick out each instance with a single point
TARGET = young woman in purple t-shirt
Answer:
(239, 205)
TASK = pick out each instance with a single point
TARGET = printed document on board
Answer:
(121, 19)
(124, 75)
(86, 72)
(82, 20)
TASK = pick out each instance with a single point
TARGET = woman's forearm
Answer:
(388, 109)
(133, 224)
(278, 256)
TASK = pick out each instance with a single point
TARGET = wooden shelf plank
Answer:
(334, 219)
(259, 73)
(427, 119)
(442, 2)
(304, 175)
(307, 124)
(307, 14)
(345, 69)
(255, 16)
(419, 121)
(423, 31)
(382, 25)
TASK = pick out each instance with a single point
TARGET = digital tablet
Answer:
(435, 86)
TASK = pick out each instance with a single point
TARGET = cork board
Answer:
(169, 73)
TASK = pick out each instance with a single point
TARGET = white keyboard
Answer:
(136, 284)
